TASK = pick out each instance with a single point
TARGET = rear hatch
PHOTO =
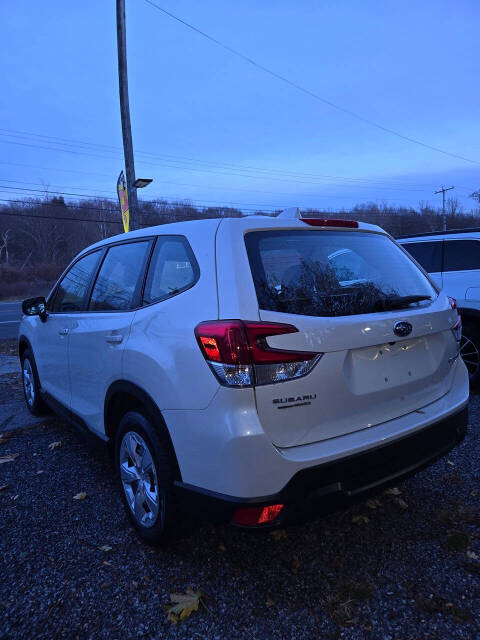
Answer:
(382, 329)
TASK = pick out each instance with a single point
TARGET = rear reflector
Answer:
(252, 516)
(330, 222)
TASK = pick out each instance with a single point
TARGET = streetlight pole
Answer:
(444, 216)
(125, 114)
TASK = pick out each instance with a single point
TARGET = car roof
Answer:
(473, 232)
(210, 225)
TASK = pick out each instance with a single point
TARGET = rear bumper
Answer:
(332, 485)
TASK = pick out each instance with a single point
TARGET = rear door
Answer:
(98, 335)
(343, 291)
(428, 254)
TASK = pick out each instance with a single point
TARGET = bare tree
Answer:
(4, 246)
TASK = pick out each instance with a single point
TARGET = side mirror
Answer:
(35, 307)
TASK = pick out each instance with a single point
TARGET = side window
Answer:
(71, 291)
(119, 277)
(461, 255)
(173, 269)
(428, 254)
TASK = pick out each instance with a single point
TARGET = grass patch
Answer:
(9, 347)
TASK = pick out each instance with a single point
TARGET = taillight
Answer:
(239, 355)
(457, 327)
(330, 222)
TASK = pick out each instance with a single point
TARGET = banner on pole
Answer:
(123, 199)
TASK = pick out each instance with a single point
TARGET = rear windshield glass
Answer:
(333, 273)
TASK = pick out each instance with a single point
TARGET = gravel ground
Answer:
(405, 567)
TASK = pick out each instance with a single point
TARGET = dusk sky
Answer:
(209, 127)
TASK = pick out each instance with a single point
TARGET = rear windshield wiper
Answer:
(403, 301)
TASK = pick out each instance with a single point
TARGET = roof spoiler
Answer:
(291, 212)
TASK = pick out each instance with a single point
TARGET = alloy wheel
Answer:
(28, 382)
(139, 479)
(470, 355)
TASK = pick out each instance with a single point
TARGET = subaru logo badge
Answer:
(402, 329)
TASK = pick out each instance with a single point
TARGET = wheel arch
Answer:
(470, 313)
(123, 396)
(23, 344)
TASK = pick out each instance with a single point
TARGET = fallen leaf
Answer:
(9, 458)
(222, 547)
(270, 602)
(393, 491)
(183, 605)
(452, 464)
(360, 519)
(109, 564)
(470, 554)
(80, 496)
(3, 487)
(55, 445)
(40, 471)
(16, 497)
(373, 504)
(401, 503)
(105, 547)
(278, 534)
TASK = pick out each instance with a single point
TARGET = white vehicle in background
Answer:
(249, 369)
(452, 258)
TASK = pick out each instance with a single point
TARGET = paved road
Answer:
(10, 315)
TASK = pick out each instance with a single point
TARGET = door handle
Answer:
(63, 332)
(114, 338)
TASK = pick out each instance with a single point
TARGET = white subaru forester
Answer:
(252, 370)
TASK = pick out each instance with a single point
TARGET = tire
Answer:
(470, 350)
(146, 472)
(31, 385)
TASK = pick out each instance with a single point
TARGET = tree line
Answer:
(39, 236)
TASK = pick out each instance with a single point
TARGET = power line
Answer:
(171, 182)
(195, 169)
(102, 148)
(308, 92)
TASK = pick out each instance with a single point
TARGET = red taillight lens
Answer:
(237, 342)
(239, 355)
(330, 222)
(252, 516)
(224, 341)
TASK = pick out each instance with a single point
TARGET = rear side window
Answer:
(173, 269)
(428, 254)
(461, 255)
(72, 290)
(332, 273)
(118, 281)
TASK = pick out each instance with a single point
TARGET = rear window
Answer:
(332, 273)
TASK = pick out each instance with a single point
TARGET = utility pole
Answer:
(125, 114)
(444, 217)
